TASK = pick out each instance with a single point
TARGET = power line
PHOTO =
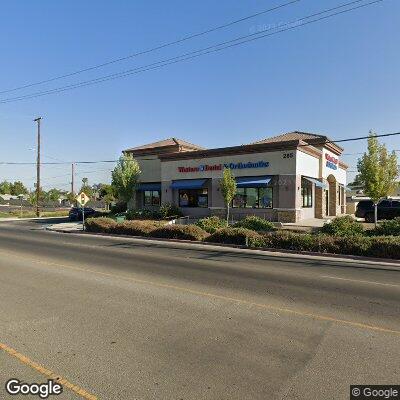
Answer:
(147, 159)
(356, 154)
(197, 53)
(159, 47)
(350, 139)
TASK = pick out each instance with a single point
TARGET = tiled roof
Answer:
(291, 136)
(167, 143)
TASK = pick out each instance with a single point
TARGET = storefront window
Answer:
(193, 198)
(253, 198)
(151, 197)
(306, 193)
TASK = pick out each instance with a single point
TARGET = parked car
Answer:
(387, 209)
(75, 213)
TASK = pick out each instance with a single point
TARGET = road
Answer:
(123, 319)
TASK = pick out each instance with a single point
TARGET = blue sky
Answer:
(339, 77)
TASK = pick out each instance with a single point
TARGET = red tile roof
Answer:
(170, 142)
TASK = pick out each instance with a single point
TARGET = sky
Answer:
(339, 77)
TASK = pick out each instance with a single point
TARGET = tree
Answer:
(18, 188)
(53, 194)
(356, 181)
(125, 177)
(86, 188)
(228, 189)
(106, 193)
(5, 187)
(378, 171)
(32, 197)
(71, 197)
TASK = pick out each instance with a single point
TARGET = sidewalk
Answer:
(66, 227)
(306, 224)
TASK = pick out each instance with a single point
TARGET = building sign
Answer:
(219, 167)
(331, 162)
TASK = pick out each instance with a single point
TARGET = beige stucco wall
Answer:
(150, 167)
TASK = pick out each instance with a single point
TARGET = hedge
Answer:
(239, 236)
(255, 224)
(343, 226)
(211, 224)
(135, 228)
(387, 228)
(368, 246)
(379, 246)
(101, 225)
(183, 232)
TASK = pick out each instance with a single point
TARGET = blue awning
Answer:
(317, 183)
(148, 186)
(254, 181)
(188, 184)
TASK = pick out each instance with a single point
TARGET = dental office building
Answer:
(286, 178)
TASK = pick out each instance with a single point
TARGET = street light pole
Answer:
(38, 167)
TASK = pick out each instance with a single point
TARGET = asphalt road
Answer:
(122, 319)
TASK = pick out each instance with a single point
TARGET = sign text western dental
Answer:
(219, 167)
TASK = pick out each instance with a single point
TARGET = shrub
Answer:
(168, 210)
(211, 224)
(143, 214)
(101, 224)
(382, 247)
(387, 228)
(255, 224)
(343, 226)
(118, 207)
(135, 228)
(183, 232)
(239, 236)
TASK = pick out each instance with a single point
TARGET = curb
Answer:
(245, 250)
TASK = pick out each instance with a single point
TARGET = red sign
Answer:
(201, 168)
(331, 158)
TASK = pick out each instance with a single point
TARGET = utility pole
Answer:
(38, 166)
(72, 179)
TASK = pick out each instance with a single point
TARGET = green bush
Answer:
(387, 228)
(343, 226)
(183, 232)
(255, 224)
(238, 236)
(101, 224)
(381, 247)
(143, 214)
(211, 224)
(168, 210)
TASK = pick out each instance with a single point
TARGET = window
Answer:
(193, 198)
(253, 198)
(306, 193)
(152, 197)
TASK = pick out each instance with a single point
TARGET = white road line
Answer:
(359, 281)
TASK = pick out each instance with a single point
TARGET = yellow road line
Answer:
(48, 373)
(216, 296)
